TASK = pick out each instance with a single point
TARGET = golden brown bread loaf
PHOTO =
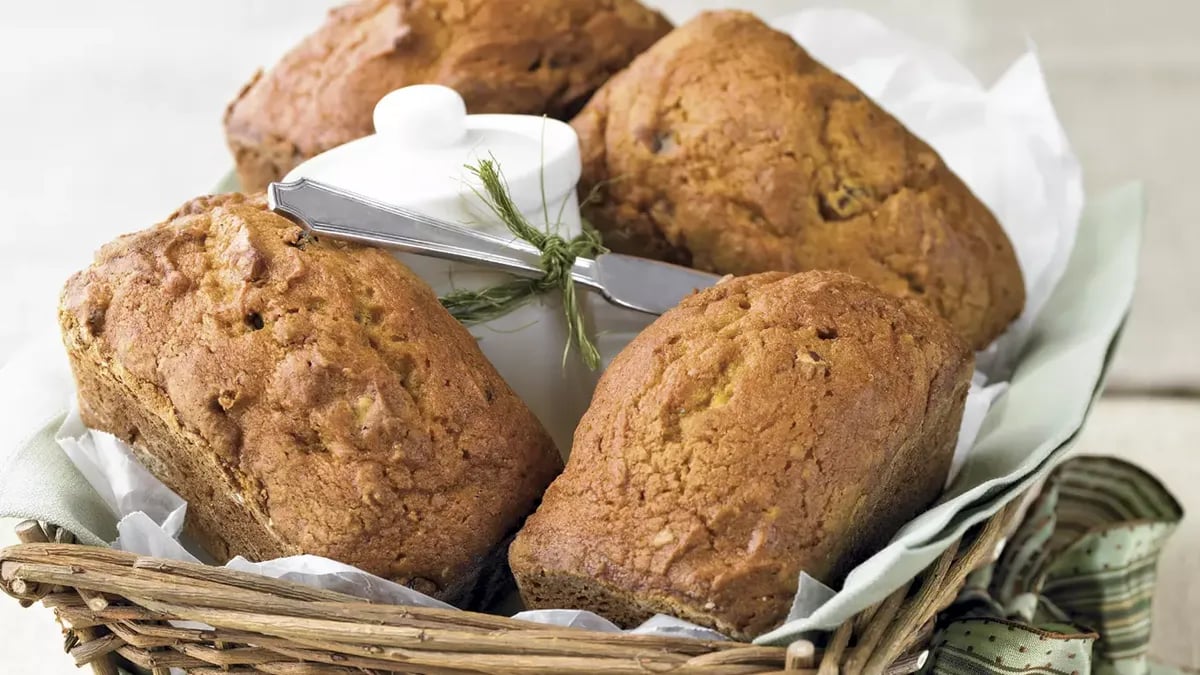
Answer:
(304, 396)
(769, 425)
(735, 152)
(503, 56)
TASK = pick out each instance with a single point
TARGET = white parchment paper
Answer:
(1004, 141)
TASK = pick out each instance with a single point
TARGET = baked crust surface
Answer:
(304, 396)
(769, 425)
(726, 147)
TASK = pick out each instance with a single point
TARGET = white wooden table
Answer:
(111, 113)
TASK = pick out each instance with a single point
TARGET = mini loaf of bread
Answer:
(770, 425)
(304, 396)
(728, 148)
(503, 56)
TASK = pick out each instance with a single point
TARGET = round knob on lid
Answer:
(423, 115)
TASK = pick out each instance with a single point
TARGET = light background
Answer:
(110, 118)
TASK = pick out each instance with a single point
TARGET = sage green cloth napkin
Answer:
(37, 480)
(41, 483)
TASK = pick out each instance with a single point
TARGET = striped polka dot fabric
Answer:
(1072, 589)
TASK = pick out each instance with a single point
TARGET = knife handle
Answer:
(338, 213)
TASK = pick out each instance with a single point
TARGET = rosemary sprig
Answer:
(557, 257)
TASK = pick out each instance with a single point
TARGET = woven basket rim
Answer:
(116, 607)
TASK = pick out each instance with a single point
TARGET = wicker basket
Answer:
(115, 608)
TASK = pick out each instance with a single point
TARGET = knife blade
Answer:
(635, 283)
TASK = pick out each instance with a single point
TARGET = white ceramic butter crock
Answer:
(417, 158)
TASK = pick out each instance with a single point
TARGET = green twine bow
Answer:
(1080, 569)
(557, 257)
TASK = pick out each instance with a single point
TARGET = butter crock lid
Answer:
(423, 141)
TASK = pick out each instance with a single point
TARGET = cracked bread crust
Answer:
(726, 147)
(769, 425)
(503, 56)
(304, 396)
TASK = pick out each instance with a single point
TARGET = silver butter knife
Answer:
(627, 281)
